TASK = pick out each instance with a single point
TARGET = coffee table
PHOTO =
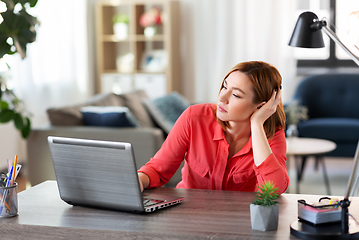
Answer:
(301, 148)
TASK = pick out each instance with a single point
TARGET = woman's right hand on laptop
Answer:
(144, 180)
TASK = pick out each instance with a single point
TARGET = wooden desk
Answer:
(204, 214)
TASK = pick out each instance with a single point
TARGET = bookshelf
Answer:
(131, 59)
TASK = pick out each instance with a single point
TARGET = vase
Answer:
(264, 218)
(150, 31)
(292, 131)
(120, 30)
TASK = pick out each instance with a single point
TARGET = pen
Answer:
(5, 192)
(12, 179)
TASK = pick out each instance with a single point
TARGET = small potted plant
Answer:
(264, 209)
(294, 113)
(120, 26)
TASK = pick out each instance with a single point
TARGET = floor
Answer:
(338, 170)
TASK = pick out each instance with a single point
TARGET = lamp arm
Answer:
(352, 176)
(336, 39)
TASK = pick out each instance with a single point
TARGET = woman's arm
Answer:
(274, 167)
(269, 157)
(159, 170)
(261, 148)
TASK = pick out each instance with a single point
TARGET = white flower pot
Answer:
(150, 31)
(120, 30)
(264, 218)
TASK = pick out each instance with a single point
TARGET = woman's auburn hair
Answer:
(265, 79)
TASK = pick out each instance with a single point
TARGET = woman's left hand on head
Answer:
(267, 109)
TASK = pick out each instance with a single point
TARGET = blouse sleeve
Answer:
(167, 160)
(274, 168)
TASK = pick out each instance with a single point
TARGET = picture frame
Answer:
(154, 61)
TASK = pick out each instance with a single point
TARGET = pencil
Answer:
(13, 171)
(4, 201)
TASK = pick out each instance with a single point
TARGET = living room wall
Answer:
(215, 35)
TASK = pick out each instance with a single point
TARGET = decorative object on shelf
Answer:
(151, 21)
(294, 113)
(265, 209)
(120, 26)
(14, 38)
(125, 62)
(154, 61)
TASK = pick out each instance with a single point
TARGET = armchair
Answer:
(333, 108)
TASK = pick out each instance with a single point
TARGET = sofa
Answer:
(333, 109)
(130, 117)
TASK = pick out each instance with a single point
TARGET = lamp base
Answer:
(305, 230)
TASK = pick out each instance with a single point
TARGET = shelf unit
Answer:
(137, 61)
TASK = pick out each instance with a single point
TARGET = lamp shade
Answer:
(306, 33)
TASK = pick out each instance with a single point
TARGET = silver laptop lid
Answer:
(96, 173)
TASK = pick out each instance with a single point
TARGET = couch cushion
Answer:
(133, 101)
(108, 116)
(335, 129)
(165, 110)
(72, 116)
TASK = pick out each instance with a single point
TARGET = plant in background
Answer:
(120, 26)
(295, 113)
(120, 18)
(266, 194)
(17, 29)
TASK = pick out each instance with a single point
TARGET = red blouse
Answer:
(198, 139)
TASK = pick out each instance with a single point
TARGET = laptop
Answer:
(101, 174)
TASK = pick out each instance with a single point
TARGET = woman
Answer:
(236, 144)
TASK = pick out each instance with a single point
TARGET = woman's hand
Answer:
(144, 180)
(267, 109)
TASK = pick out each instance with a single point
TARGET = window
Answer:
(341, 17)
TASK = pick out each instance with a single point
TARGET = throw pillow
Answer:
(72, 116)
(165, 110)
(133, 101)
(108, 116)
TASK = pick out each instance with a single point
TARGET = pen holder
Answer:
(8, 201)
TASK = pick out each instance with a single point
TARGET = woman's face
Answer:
(235, 101)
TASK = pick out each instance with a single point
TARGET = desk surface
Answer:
(203, 214)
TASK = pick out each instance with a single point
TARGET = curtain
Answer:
(55, 71)
(223, 33)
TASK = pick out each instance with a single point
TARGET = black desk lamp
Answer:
(307, 34)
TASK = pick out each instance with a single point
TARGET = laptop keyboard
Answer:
(149, 202)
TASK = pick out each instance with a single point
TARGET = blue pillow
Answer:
(165, 110)
(108, 116)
